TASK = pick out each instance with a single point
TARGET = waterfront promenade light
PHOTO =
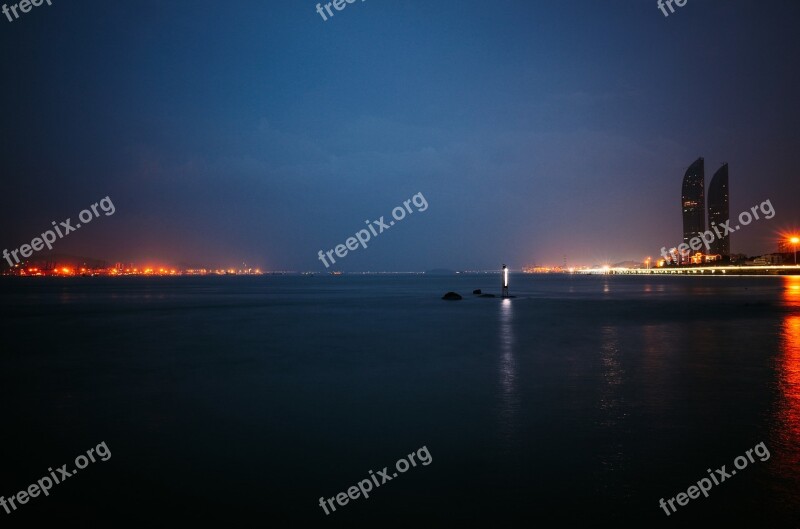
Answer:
(505, 281)
(795, 241)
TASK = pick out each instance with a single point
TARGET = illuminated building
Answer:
(718, 210)
(693, 201)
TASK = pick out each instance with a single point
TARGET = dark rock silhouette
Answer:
(452, 296)
(476, 291)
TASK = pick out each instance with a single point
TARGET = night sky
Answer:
(244, 131)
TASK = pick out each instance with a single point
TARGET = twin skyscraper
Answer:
(693, 203)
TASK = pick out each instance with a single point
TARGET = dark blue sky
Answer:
(257, 132)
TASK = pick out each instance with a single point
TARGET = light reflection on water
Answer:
(611, 404)
(791, 295)
(612, 373)
(787, 435)
(509, 398)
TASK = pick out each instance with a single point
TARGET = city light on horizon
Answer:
(119, 270)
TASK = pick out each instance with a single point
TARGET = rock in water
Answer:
(476, 291)
(452, 296)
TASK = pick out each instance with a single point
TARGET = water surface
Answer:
(228, 399)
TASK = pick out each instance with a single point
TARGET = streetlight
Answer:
(505, 281)
(795, 241)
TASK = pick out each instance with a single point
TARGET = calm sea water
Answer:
(241, 399)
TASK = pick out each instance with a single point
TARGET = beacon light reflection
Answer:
(505, 281)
